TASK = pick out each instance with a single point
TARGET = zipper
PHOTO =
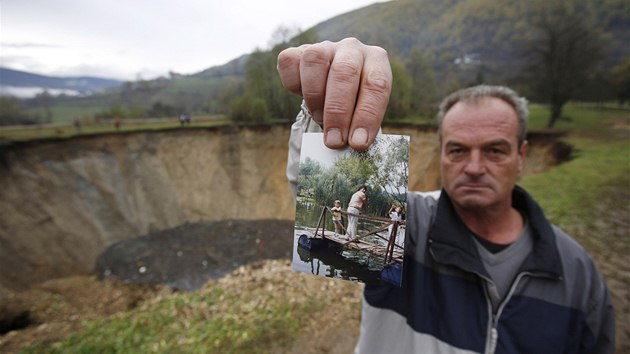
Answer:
(493, 333)
(492, 341)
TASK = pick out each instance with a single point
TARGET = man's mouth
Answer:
(473, 185)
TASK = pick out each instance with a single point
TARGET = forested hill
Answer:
(550, 51)
(395, 25)
(491, 29)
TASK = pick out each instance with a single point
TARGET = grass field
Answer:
(66, 130)
(158, 327)
(67, 114)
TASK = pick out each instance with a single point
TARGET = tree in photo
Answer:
(393, 166)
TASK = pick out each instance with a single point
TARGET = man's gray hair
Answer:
(477, 93)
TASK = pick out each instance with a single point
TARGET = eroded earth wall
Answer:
(63, 202)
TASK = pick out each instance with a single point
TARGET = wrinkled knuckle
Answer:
(369, 112)
(313, 95)
(286, 60)
(336, 108)
(314, 56)
(378, 83)
(345, 70)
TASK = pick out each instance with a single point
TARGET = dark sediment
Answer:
(187, 256)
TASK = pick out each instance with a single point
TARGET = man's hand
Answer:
(346, 86)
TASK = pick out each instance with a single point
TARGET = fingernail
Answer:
(359, 137)
(333, 138)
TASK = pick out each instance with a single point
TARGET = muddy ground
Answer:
(186, 256)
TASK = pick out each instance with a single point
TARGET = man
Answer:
(357, 201)
(484, 270)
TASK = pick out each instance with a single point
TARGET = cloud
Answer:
(29, 45)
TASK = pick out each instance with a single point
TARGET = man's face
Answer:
(480, 158)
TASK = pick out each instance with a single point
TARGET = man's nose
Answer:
(475, 165)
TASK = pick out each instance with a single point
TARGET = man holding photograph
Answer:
(484, 271)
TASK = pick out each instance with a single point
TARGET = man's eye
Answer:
(456, 153)
(495, 153)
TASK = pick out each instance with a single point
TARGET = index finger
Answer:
(341, 92)
(374, 91)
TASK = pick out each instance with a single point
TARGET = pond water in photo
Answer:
(334, 262)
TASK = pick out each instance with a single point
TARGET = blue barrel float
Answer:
(310, 243)
(392, 274)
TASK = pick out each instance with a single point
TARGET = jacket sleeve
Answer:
(601, 317)
(304, 123)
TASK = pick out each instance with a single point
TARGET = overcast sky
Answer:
(128, 39)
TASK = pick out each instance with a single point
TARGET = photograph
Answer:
(350, 210)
